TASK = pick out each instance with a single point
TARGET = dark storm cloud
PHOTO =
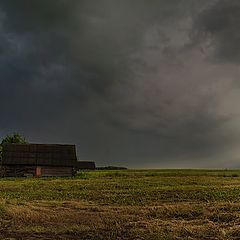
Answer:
(220, 23)
(141, 83)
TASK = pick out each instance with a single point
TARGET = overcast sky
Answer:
(136, 83)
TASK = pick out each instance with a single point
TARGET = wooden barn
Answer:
(41, 160)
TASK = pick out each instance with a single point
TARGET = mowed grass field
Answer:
(126, 204)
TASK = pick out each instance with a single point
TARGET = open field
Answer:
(127, 204)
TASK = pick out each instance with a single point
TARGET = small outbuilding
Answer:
(41, 160)
(85, 165)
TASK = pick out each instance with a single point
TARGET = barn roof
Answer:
(39, 154)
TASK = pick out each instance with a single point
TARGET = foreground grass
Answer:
(128, 204)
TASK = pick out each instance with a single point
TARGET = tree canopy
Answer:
(14, 138)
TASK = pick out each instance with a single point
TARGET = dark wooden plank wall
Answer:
(56, 171)
(30, 171)
(18, 171)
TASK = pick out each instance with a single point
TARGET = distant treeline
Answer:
(111, 168)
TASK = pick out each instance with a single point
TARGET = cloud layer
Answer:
(136, 83)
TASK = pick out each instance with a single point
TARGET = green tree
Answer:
(14, 138)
